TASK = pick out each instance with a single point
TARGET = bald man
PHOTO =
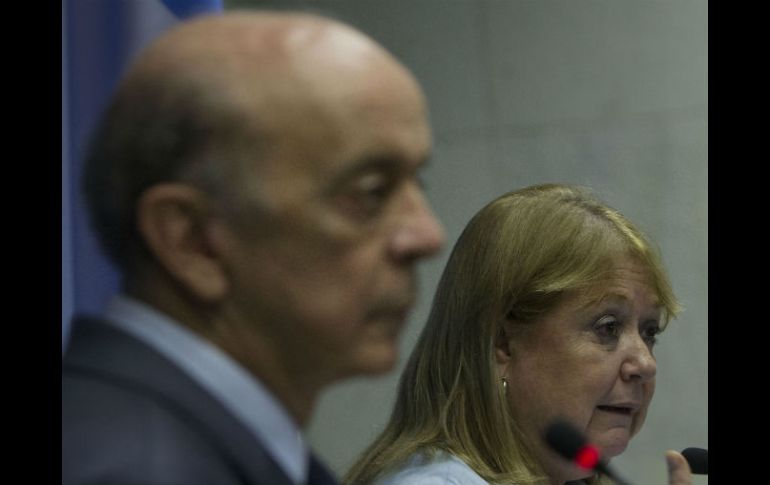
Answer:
(255, 179)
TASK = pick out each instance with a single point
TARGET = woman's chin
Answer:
(614, 446)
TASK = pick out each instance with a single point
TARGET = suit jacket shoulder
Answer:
(129, 415)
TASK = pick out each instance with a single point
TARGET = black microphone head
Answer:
(565, 439)
(698, 458)
(570, 443)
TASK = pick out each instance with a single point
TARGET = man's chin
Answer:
(382, 362)
(373, 363)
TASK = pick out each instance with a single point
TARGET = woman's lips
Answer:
(625, 409)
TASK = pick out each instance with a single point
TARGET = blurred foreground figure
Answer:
(255, 180)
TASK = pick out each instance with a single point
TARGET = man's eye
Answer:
(367, 195)
(374, 189)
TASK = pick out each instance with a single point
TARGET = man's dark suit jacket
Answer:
(130, 416)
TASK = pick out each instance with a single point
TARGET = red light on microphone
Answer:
(587, 457)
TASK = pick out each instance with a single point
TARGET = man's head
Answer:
(256, 177)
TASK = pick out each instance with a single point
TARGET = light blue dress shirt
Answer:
(239, 391)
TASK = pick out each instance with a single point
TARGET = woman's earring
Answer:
(505, 385)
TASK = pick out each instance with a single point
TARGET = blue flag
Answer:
(99, 39)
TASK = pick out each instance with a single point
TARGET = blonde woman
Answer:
(549, 307)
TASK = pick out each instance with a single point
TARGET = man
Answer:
(255, 180)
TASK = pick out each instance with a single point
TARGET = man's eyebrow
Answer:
(383, 162)
(388, 160)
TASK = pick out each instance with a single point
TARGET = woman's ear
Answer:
(172, 219)
(503, 343)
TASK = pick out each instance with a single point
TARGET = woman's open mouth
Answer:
(624, 410)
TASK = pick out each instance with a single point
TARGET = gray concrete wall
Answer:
(612, 94)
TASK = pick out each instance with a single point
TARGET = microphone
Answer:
(698, 458)
(570, 443)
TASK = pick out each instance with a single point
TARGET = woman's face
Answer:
(590, 363)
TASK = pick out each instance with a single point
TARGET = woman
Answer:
(548, 309)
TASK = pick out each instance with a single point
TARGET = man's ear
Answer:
(172, 219)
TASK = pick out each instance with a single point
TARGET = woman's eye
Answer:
(608, 328)
(650, 334)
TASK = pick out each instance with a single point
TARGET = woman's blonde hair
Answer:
(515, 259)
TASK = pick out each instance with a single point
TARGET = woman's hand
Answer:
(678, 469)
